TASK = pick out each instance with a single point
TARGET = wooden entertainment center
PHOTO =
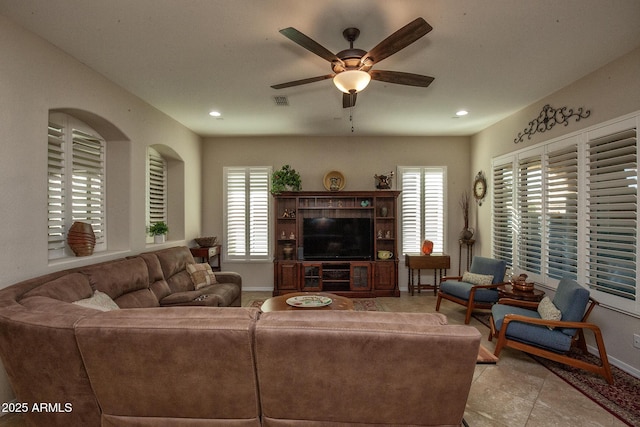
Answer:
(361, 277)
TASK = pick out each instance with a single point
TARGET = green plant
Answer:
(158, 228)
(283, 178)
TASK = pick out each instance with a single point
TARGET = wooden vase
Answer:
(81, 238)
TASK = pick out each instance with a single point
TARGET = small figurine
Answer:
(383, 182)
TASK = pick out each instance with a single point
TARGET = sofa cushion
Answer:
(191, 298)
(119, 277)
(491, 266)
(68, 288)
(476, 278)
(99, 301)
(463, 290)
(153, 265)
(174, 260)
(201, 275)
(571, 299)
(225, 292)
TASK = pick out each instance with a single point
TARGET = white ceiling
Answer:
(188, 57)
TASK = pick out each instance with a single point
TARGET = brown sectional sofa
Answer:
(203, 365)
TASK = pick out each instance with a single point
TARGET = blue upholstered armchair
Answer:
(528, 326)
(475, 290)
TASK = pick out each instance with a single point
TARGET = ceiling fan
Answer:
(352, 68)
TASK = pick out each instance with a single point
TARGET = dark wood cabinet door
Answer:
(384, 276)
(288, 276)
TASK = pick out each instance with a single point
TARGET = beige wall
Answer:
(36, 77)
(358, 158)
(610, 92)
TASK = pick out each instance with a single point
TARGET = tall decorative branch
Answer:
(464, 205)
(549, 117)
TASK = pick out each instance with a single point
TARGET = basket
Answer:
(206, 242)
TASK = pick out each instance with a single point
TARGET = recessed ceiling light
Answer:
(215, 114)
(462, 113)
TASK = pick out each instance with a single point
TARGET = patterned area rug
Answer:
(622, 399)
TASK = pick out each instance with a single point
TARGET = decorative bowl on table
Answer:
(206, 242)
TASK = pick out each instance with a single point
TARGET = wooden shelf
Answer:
(357, 278)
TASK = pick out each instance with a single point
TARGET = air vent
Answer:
(281, 101)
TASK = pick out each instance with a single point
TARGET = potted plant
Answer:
(285, 179)
(159, 231)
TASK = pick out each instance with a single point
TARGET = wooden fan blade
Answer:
(398, 40)
(349, 100)
(303, 81)
(309, 44)
(400, 78)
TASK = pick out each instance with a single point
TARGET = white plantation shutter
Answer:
(503, 213)
(561, 213)
(422, 206)
(55, 190)
(247, 209)
(529, 231)
(157, 187)
(434, 208)
(88, 189)
(612, 165)
(75, 181)
(259, 213)
(411, 208)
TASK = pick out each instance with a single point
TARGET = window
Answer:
(422, 205)
(75, 180)
(247, 213)
(571, 211)
(156, 187)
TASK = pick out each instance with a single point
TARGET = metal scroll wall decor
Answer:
(549, 117)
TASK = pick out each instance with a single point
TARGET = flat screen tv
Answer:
(337, 238)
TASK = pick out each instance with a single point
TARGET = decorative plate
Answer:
(336, 177)
(309, 301)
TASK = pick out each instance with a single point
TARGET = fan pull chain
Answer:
(351, 110)
(351, 117)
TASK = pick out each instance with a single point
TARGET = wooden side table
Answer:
(436, 262)
(208, 254)
(508, 291)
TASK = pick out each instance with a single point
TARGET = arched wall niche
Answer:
(118, 173)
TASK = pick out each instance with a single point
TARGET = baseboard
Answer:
(257, 288)
(617, 363)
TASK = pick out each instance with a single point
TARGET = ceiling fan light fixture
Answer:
(352, 80)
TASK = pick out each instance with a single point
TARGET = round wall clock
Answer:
(479, 186)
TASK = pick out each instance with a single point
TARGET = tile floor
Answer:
(516, 392)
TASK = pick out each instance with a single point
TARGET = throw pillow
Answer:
(477, 279)
(548, 310)
(201, 275)
(99, 301)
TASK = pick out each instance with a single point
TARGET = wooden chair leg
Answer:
(438, 302)
(467, 317)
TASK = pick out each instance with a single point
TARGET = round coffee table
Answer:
(279, 303)
(508, 291)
